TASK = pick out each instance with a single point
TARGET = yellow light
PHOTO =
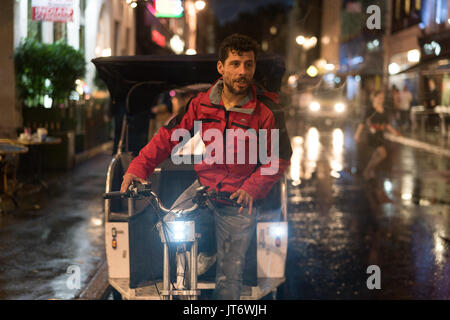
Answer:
(200, 5)
(339, 107)
(312, 71)
(133, 5)
(394, 68)
(414, 56)
(314, 106)
(300, 40)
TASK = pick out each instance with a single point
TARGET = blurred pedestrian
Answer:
(431, 101)
(432, 97)
(405, 98)
(394, 110)
(376, 121)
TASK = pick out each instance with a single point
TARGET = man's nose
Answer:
(242, 70)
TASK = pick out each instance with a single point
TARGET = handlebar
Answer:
(137, 190)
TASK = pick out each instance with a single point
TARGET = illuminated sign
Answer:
(432, 48)
(168, 9)
(52, 10)
(158, 38)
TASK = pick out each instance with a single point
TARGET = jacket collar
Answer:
(215, 96)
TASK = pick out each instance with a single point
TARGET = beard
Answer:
(238, 91)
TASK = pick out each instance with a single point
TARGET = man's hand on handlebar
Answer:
(244, 199)
(128, 178)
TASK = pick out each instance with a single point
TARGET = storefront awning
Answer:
(439, 64)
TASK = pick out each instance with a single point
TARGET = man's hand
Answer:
(127, 179)
(244, 199)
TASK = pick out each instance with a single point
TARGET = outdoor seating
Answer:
(9, 152)
(419, 113)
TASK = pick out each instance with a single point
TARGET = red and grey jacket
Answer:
(259, 110)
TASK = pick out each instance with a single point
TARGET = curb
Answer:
(98, 288)
(418, 144)
(88, 154)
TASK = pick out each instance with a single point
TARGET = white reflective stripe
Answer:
(241, 110)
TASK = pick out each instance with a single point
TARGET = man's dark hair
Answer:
(238, 42)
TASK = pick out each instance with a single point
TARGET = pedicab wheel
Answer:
(116, 294)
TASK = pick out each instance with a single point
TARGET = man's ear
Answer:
(220, 67)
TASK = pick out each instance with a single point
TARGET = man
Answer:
(405, 98)
(233, 102)
(432, 101)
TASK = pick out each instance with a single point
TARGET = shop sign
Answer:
(432, 48)
(52, 10)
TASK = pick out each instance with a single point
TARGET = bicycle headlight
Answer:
(277, 231)
(339, 107)
(314, 106)
(180, 231)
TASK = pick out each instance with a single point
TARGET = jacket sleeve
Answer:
(160, 146)
(267, 174)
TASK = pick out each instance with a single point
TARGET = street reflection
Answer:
(296, 159)
(336, 160)
(313, 148)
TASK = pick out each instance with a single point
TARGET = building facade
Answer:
(419, 47)
(97, 27)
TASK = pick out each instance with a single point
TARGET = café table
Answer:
(35, 146)
(8, 149)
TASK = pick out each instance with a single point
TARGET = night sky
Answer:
(227, 10)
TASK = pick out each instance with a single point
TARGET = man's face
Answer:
(238, 71)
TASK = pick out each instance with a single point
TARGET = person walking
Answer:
(376, 121)
(405, 99)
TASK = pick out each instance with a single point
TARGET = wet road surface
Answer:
(338, 226)
(42, 247)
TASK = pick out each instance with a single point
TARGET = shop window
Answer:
(418, 4)
(34, 27)
(82, 38)
(408, 7)
(59, 31)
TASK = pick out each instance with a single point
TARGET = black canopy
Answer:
(166, 72)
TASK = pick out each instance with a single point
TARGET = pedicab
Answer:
(141, 263)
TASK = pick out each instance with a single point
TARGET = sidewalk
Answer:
(433, 142)
(52, 246)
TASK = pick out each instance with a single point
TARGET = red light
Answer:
(278, 242)
(158, 38)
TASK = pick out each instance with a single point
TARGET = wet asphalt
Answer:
(55, 235)
(338, 227)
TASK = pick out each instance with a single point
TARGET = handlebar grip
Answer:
(113, 195)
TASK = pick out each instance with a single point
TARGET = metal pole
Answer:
(194, 268)
(166, 271)
(130, 207)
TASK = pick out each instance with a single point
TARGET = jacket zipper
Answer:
(219, 185)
